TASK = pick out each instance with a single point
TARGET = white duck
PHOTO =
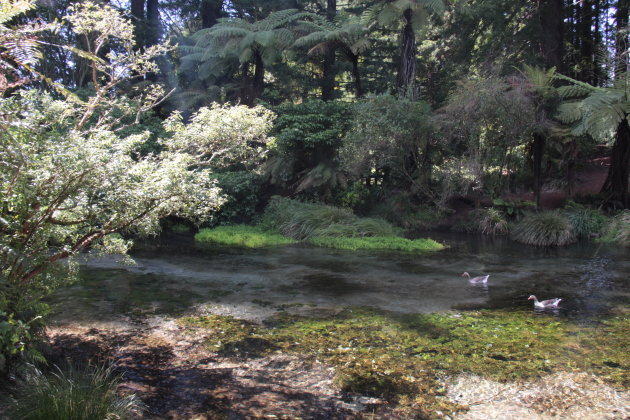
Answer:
(476, 280)
(549, 303)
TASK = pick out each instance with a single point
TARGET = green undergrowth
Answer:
(399, 357)
(393, 243)
(241, 236)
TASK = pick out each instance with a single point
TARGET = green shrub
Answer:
(241, 236)
(544, 229)
(308, 137)
(392, 243)
(242, 190)
(70, 394)
(618, 230)
(301, 221)
(401, 210)
(585, 222)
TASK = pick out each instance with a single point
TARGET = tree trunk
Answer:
(137, 13)
(407, 68)
(328, 70)
(551, 21)
(253, 87)
(621, 41)
(538, 147)
(586, 43)
(616, 183)
(210, 12)
(358, 89)
(154, 29)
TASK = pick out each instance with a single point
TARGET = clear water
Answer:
(172, 276)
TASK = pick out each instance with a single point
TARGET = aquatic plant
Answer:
(241, 236)
(544, 229)
(70, 394)
(399, 356)
(393, 243)
(302, 221)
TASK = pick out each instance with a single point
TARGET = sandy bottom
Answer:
(558, 396)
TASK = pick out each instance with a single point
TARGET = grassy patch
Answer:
(393, 243)
(398, 357)
(548, 228)
(241, 236)
(618, 230)
(303, 221)
(70, 394)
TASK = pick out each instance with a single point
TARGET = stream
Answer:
(173, 275)
(127, 314)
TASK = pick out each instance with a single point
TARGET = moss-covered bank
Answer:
(256, 237)
(241, 236)
(400, 357)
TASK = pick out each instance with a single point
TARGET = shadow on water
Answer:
(172, 275)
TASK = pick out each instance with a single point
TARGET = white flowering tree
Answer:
(70, 181)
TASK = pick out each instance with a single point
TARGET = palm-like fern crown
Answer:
(596, 111)
(240, 39)
(388, 13)
(18, 44)
(346, 31)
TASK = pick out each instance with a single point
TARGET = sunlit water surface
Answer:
(173, 276)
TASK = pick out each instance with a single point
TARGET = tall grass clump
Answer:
(585, 222)
(489, 221)
(70, 394)
(303, 221)
(618, 230)
(241, 236)
(544, 229)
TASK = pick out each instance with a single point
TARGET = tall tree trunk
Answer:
(621, 39)
(407, 67)
(210, 11)
(154, 29)
(253, 87)
(585, 30)
(354, 59)
(551, 21)
(328, 70)
(137, 13)
(616, 183)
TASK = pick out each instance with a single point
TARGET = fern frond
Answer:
(572, 91)
(311, 39)
(436, 7)
(569, 112)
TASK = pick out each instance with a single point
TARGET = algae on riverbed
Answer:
(400, 357)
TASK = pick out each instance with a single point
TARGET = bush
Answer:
(399, 209)
(308, 136)
(242, 191)
(70, 394)
(242, 236)
(302, 221)
(585, 222)
(618, 230)
(544, 229)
